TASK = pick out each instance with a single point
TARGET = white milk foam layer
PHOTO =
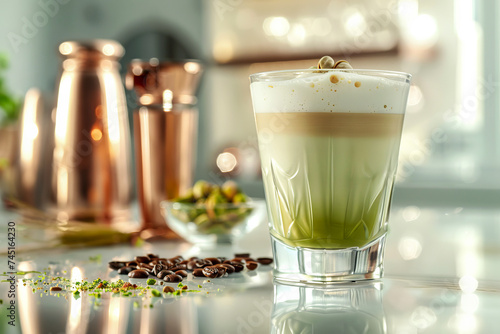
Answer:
(320, 92)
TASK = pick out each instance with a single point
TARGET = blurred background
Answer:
(450, 154)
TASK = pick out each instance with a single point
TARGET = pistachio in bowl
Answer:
(209, 213)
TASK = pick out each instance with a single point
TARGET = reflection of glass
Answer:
(329, 146)
(342, 309)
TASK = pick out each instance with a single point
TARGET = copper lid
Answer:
(101, 47)
(165, 83)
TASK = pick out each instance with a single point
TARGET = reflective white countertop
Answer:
(442, 270)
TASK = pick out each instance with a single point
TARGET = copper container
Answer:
(165, 134)
(91, 172)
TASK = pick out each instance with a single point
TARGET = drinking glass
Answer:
(329, 143)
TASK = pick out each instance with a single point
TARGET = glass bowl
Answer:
(220, 223)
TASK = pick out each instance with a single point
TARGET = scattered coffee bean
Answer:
(115, 265)
(211, 272)
(182, 273)
(163, 273)
(175, 269)
(237, 267)
(222, 271)
(177, 259)
(185, 287)
(168, 289)
(172, 278)
(198, 272)
(229, 268)
(265, 260)
(157, 268)
(167, 262)
(251, 265)
(204, 263)
(142, 259)
(238, 259)
(125, 270)
(191, 265)
(145, 266)
(214, 260)
(152, 256)
(56, 288)
(138, 273)
(178, 267)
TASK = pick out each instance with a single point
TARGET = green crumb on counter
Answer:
(180, 285)
(199, 286)
(177, 292)
(151, 281)
(155, 293)
(96, 258)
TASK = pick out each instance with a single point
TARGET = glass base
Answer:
(324, 266)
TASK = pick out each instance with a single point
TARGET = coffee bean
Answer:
(191, 265)
(168, 289)
(265, 260)
(252, 265)
(152, 256)
(142, 259)
(163, 273)
(139, 273)
(229, 268)
(242, 255)
(167, 262)
(222, 271)
(248, 259)
(115, 265)
(56, 288)
(198, 264)
(125, 270)
(198, 272)
(214, 260)
(177, 259)
(192, 258)
(132, 264)
(184, 262)
(237, 267)
(157, 268)
(172, 278)
(211, 272)
(205, 263)
(145, 266)
(238, 259)
(182, 273)
(178, 267)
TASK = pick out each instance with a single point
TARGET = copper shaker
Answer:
(91, 172)
(165, 135)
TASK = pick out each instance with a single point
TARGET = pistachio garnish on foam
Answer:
(327, 62)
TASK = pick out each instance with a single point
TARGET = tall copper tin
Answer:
(165, 133)
(91, 170)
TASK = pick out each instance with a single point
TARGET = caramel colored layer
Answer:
(331, 124)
